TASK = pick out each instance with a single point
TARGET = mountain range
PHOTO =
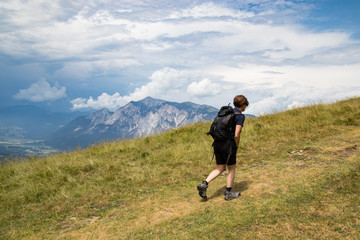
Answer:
(136, 119)
(29, 130)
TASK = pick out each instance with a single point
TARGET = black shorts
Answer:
(223, 151)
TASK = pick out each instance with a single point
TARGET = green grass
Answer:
(298, 171)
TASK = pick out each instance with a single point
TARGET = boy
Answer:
(222, 150)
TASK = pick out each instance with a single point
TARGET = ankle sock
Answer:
(228, 189)
(206, 183)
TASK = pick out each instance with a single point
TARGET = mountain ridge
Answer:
(136, 119)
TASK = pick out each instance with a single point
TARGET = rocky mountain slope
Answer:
(136, 119)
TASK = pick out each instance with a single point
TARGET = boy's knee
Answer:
(232, 167)
(221, 168)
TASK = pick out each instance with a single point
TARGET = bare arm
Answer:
(237, 134)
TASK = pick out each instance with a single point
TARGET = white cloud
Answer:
(293, 95)
(167, 83)
(92, 33)
(275, 88)
(103, 101)
(319, 76)
(210, 10)
(269, 89)
(203, 88)
(213, 51)
(41, 91)
(295, 104)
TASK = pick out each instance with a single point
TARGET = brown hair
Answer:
(240, 100)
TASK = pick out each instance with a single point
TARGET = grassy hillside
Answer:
(298, 171)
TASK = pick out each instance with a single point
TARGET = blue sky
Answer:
(86, 55)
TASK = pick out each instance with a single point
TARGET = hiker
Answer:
(225, 152)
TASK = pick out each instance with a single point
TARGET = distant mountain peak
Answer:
(148, 98)
(99, 116)
(135, 119)
(150, 102)
(100, 112)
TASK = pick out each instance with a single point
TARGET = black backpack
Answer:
(221, 128)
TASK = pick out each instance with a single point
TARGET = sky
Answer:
(88, 55)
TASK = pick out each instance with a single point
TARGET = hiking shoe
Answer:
(202, 190)
(232, 195)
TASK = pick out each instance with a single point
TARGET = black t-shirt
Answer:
(239, 118)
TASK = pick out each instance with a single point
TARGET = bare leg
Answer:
(214, 174)
(231, 176)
